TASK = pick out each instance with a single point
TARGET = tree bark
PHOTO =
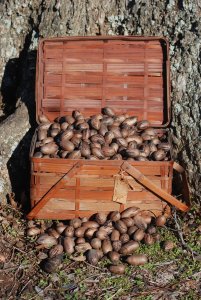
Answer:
(179, 21)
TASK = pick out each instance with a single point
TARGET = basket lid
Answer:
(127, 73)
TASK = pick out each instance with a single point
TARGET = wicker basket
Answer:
(128, 74)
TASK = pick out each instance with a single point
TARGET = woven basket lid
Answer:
(129, 74)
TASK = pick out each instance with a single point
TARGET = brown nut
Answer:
(66, 135)
(168, 245)
(90, 232)
(76, 141)
(95, 122)
(117, 157)
(79, 232)
(117, 269)
(139, 235)
(38, 154)
(164, 146)
(135, 138)
(130, 121)
(75, 222)
(109, 136)
(69, 119)
(146, 215)
(108, 151)
(54, 132)
(129, 247)
(106, 246)
(115, 130)
(33, 231)
(132, 230)
(46, 240)
(128, 221)
(90, 224)
(85, 150)
(113, 256)
(137, 259)
(49, 148)
(148, 239)
(81, 248)
(56, 250)
(108, 111)
(93, 257)
(53, 233)
(69, 231)
(132, 152)
(155, 141)
(64, 126)
(159, 155)
(68, 245)
(60, 228)
(130, 212)
(76, 154)
(116, 245)
(43, 119)
(86, 133)
(115, 235)
(80, 241)
(101, 218)
(99, 253)
(156, 237)
(101, 234)
(97, 152)
(42, 134)
(160, 221)
(67, 145)
(50, 265)
(142, 125)
(122, 142)
(124, 132)
(55, 125)
(97, 138)
(103, 129)
(96, 243)
(108, 121)
(76, 114)
(114, 216)
(124, 238)
(140, 222)
(151, 229)
(121, 226)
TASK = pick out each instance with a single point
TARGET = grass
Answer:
(166, 273)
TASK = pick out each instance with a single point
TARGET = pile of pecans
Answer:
(104, 136)
(116, 236)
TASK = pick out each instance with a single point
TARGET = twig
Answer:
(165, 263)
(94, 275)
(115, 294)
(20, 250)
(11, 258)
(95, 267)
(24, 287)
(9, 269)
(180, 233)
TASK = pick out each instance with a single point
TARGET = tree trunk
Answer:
(21, 26)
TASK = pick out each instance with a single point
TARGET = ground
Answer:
(174, 274)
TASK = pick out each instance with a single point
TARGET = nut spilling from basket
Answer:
(116, 236)
(103, 136)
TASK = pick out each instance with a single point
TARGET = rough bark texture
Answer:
(22, 24)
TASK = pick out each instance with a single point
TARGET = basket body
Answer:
(128, 74)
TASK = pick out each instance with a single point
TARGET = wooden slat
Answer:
(44, 200)
(146, 182)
